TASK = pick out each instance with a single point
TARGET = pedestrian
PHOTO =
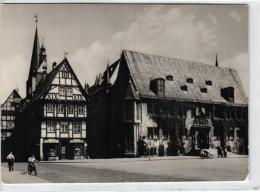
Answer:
(31, 165)
(224, 152)
(10, 160)
(219, 152)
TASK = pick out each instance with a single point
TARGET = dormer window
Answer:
(184, 88)
(158, 86)
(189, 80)
(208, 82)
(203, 90)
(228, 94)
(169, 77)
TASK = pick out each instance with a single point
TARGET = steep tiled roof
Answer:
(145, 68)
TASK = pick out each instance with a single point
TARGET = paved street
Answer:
(133, 170)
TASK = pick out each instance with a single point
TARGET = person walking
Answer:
(10, 160)
(31, 165)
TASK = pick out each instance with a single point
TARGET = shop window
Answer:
(78, 150)
(51, 126)
(77, 127)
(152, 133)
(64, 127)
(52, 153)
(49, 107)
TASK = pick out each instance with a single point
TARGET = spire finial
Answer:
(216, 63)
(36, 18)
(65, 54)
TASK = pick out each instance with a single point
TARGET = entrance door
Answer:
(203, 140)
(66, 151)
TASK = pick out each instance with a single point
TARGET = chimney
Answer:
(54, 65)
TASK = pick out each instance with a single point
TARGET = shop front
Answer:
(63, 149)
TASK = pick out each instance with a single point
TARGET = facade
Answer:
(51, 120)
(8, 114)
(175, 106)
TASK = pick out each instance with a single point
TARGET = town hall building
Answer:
(172, 105)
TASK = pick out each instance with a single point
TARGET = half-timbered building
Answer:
(51, 120)
(8, 114)
(173, 105)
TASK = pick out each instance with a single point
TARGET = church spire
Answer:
(216, 63)
(36, 50)
(34, 61)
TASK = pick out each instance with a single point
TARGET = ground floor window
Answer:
(78, 150)
(153, 133)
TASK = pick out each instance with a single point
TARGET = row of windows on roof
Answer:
(189, 80)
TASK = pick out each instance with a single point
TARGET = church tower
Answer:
(38, 66)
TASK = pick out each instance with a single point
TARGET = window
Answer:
(69, 91)
(70, 109)
(62, 91)
(169, 77)
(51, 126)
(184, 88)
(189, 80)
(64, 127)
(81, 110)
(204, 90)
(208, 82)
(139, 111)
(49, 107)
(60, 108)
(152, 133)
(77, 127)
(158, 86)
(65, 74)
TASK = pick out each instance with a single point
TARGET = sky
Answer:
(95, 34)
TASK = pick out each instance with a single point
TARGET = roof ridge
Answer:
(178, 59)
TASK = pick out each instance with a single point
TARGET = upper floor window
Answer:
(184, 88)
(169, 77)
(62, 91)
(81, 110)
(208, 82)
(139, 111)
(49, 107)
(77, 127)
(65, 74)
(204, 90)
(158, 86)
(189, 80)
(228, 94)
(64, 127)
(51, 126)
(60, 108)
(70, 109)
(69, 91)
(152, 132)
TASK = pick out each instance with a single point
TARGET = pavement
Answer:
(180, 168)
(18, 176)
